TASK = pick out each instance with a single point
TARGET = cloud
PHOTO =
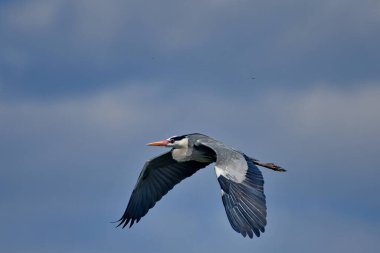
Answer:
(348, 117)
(38, 16)
(85, 84)
(73, 162)
(350, 113)
(340, 21)
(63, 45)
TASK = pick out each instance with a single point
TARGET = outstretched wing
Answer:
(158, 176)
(242, 188)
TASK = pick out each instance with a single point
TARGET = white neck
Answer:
(180, 150)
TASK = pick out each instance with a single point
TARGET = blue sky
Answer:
(84, 85)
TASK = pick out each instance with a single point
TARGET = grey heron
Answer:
(240, 180)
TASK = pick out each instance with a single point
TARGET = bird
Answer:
(240, 180)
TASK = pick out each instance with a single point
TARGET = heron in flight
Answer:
(240, 180)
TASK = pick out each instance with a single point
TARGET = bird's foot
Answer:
(271, 166)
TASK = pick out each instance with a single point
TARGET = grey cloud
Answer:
(85, 84)
(218, 44)
(70, 164)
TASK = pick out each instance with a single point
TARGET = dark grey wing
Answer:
(158, 176)
(242, 187)
(245, 201)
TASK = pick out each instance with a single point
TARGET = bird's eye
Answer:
(171, 141)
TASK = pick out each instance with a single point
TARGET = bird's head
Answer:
(172, 142)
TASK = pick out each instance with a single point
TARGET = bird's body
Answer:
(240, 180)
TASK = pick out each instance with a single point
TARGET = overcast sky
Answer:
(84, 85)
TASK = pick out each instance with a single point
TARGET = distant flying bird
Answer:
(240, 180)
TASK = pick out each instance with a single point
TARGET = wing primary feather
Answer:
(158, 176)
(231, 218)
(245, 210)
